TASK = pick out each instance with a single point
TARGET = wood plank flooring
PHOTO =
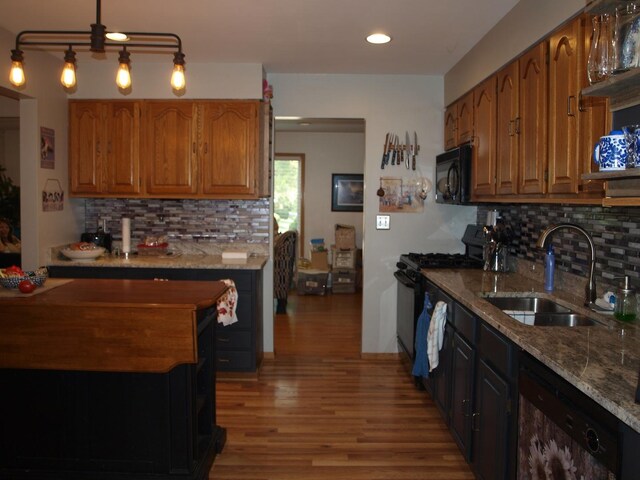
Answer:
(319, 411)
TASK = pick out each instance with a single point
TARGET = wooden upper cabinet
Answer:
(564, 89)
(458, 122)
(465, 119)
(265, 160)
(594, 118)
(532, 124)
(450, 126)
(229, 146)
(85, 127)
(123, 147)
(104, 147)
(507, 138)
(171, 144)
(484, 140)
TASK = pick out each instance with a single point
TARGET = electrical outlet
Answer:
(382, 222)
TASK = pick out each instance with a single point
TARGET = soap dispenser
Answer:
(625, 309)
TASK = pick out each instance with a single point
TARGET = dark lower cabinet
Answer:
(78, 425)
(490, 424)
(462, 369)
(239, 346)
(475, 388)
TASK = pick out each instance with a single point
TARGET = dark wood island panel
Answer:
(129, 388)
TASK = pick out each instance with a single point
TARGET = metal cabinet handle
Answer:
(569, 109)
(223, 360)
(474, 423)
(510, 129)
(517, 125)
(206, 148)
(465, 410)
(581, 103)
(194, 147)
(224, 340)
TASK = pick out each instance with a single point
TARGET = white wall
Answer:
(528, 22)
(43, 102)
(325, 154)
(386, 103)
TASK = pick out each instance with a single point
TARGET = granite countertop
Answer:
(173, 260)
(602, 361)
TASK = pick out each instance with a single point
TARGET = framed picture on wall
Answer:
(347, 192)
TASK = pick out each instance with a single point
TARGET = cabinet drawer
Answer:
(465, 322)
(234, 361)
(233, 340)
(497, 350)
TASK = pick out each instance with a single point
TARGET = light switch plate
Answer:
(382, 222)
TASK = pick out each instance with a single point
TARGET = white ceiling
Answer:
(286, 36)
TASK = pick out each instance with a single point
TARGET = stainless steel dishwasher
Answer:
(561, 432)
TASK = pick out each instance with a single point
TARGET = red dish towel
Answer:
(227, 304)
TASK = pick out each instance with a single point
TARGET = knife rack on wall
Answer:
(397, 153)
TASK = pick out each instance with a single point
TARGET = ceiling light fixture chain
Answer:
(97, 40)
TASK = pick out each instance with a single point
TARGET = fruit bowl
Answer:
(83, 255)
(37, 277)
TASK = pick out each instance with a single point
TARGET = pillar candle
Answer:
(126, 235)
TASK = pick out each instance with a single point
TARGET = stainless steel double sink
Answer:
(539, 311)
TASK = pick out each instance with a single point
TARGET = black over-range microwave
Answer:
(453, 176)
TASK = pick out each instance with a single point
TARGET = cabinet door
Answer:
(265, 174)
(450, 125)
(86, 146)
(229, 147)
(465, 119)
(123, 147)
(441, 376)
(490, 422)
(171, 148)
(507, 138)
(564, 88)
(532, 128)
(594, 119)
(462, 371)
(484, 139)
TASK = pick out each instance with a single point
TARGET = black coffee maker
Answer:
(99, 237)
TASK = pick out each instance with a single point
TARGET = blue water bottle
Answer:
(549, 268)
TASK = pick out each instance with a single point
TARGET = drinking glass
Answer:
(627, 37)
(632, 138)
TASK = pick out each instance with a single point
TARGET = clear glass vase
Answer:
(601, 59)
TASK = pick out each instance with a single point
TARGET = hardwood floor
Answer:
(319, 411)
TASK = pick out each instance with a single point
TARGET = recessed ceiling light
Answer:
(117, 36)
(378, 38)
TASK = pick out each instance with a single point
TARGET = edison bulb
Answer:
(16, 75)
(177, 77)
(68, 77)
(123, 77)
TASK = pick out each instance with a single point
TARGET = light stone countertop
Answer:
(177, 259)
(602, 361)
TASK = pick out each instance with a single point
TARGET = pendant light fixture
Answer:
(98, 40)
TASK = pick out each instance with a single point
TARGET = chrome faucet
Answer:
(590, 290)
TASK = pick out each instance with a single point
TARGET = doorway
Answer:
(313, 150)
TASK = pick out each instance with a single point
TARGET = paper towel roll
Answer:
(126, 235)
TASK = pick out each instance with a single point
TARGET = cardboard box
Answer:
(312, 282)
(345, 236)
(320, 260)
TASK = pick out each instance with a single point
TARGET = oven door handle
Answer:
(404, 279)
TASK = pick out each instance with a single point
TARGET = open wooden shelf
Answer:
(622, 89)
(603, 6)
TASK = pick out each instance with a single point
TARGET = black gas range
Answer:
(412, 284)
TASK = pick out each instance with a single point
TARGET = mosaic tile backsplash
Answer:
(238, 222)
(615, 233)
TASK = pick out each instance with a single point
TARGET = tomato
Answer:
(14, 269)
(26, 286)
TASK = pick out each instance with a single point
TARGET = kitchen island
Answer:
(239, 346)
(109, 379)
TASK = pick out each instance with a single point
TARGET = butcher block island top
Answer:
(106, 325)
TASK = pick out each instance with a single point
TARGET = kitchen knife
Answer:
(407, 148)
(384, 152)
(394, 159)
(415, 151)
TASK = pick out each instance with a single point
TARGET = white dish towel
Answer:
(435, 336)
(227, 304)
